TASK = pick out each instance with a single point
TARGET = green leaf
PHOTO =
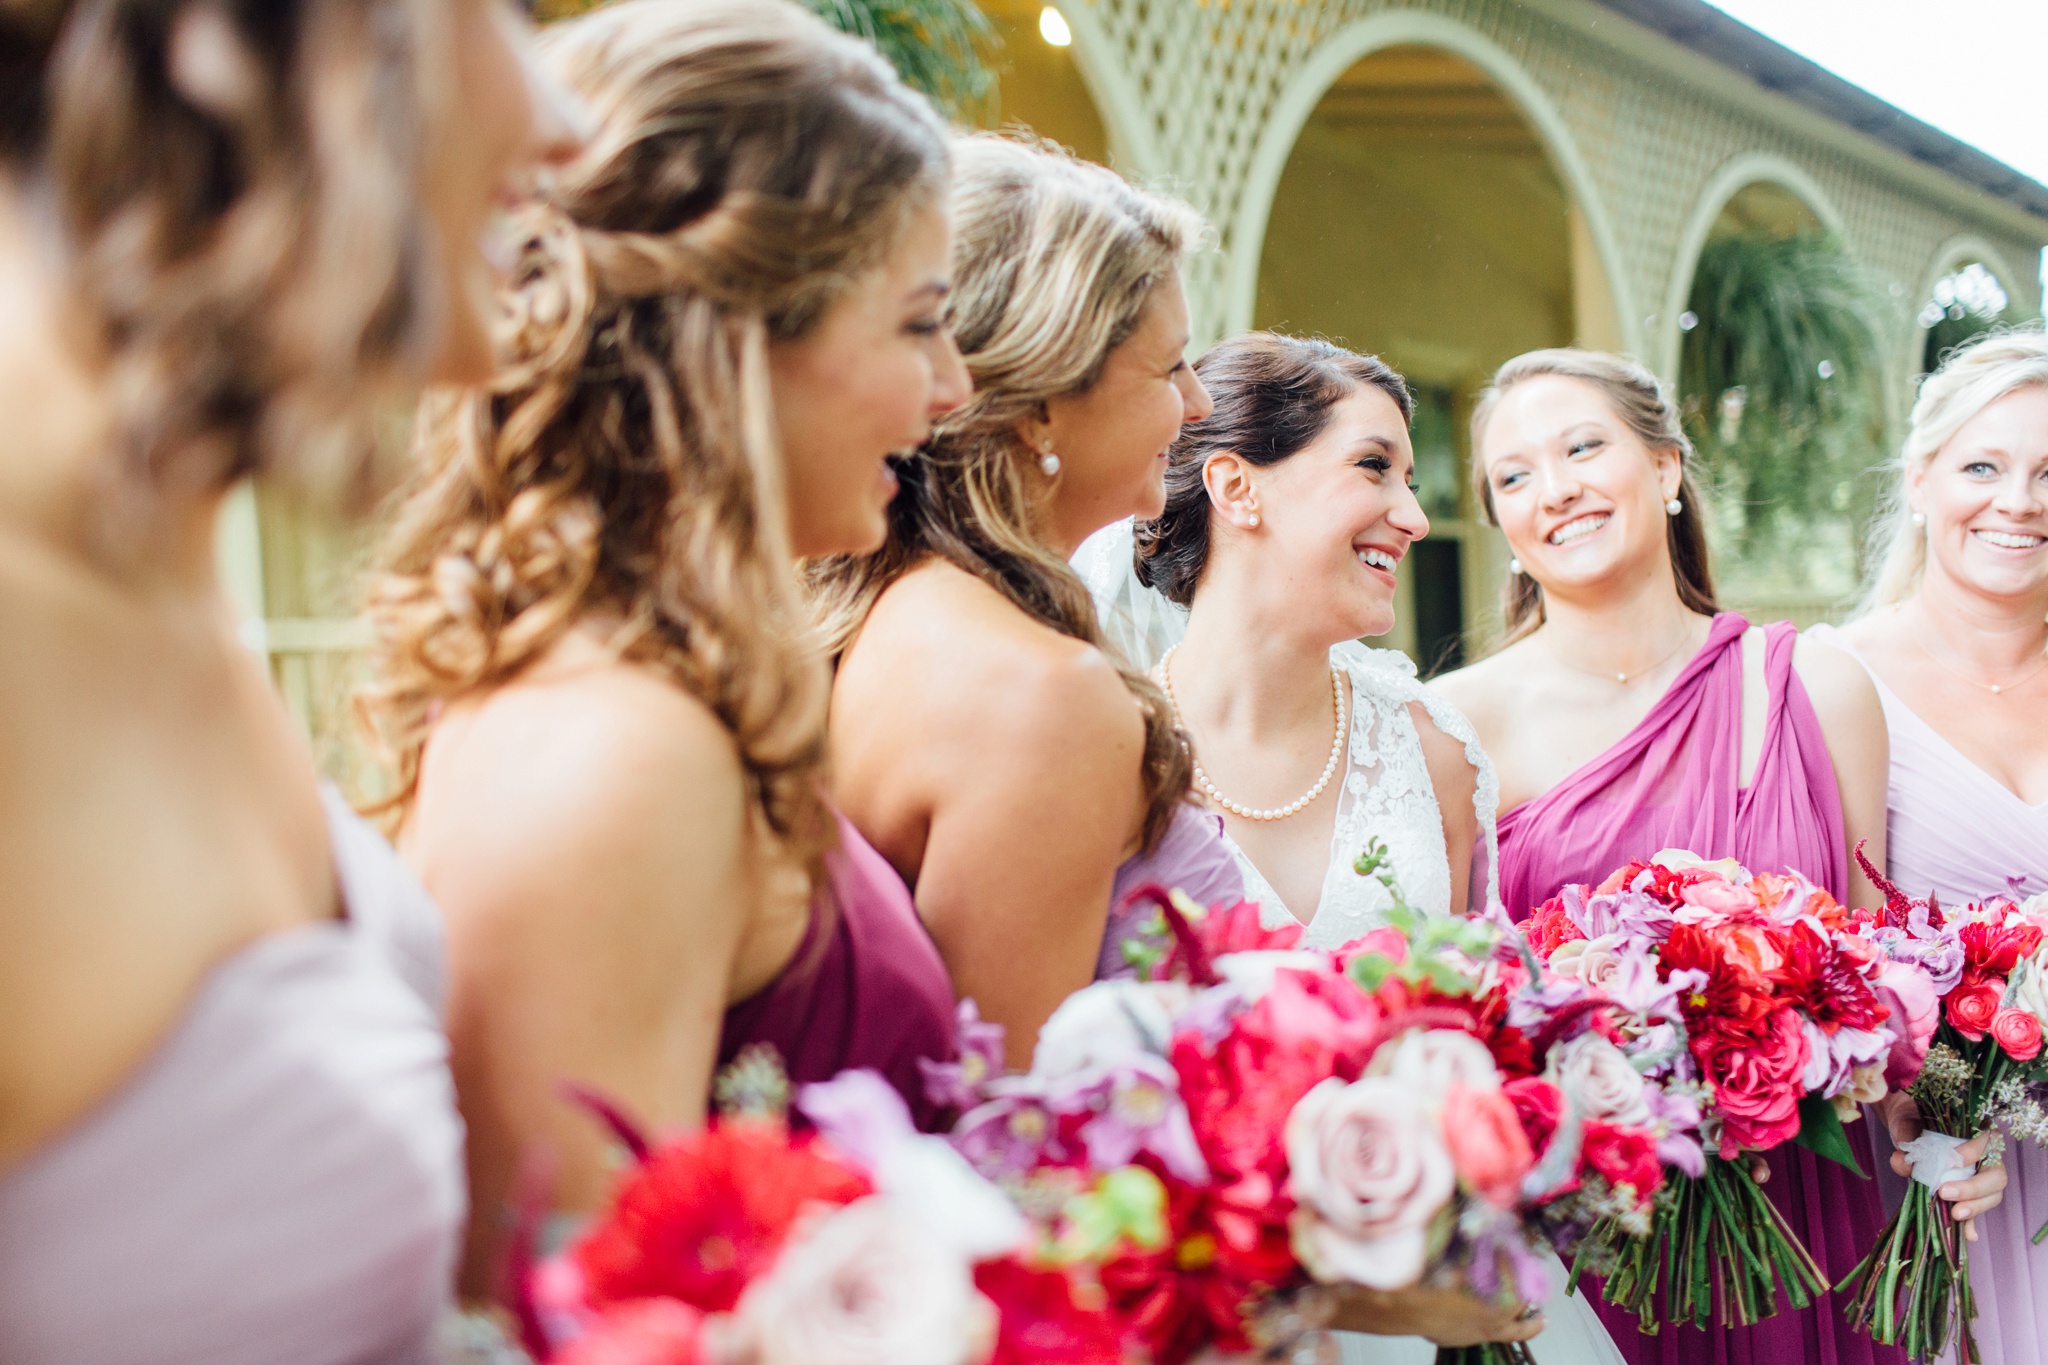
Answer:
(1820, 1132)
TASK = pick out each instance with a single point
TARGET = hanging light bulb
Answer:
(1052, 26)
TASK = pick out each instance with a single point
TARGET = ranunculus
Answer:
(640, 1332)
(1551, 927)
(2018, 1032)
(1599, 1078)
(1756, 1081)
(1625, 1156)
(1972, 1005)
(1427, 1061)
(865, 1285)
(1486, 1142)
(1368, 1171)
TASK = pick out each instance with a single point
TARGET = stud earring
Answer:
(1048, 461)
(1515, 567)
(1255, 518)
(1920, 519)
(1673, 507)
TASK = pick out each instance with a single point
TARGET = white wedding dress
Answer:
(1387, 793)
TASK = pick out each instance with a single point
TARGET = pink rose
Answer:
(1428, 1060)
(1719, 897)
(2018, 1032)
(1757, 1081)
(1368, 1171)
(1486, 1142)
(865, 1284)
(1973, 1004)
(1599, 1079)
(1915, 1013)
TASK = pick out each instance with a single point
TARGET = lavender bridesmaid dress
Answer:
(1673, 782)
(1955, 830)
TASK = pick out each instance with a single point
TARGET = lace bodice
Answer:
(1386, 792)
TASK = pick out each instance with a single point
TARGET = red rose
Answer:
(1625, 1156)
(1757, 1081)
(1973, 1004)
(2018, 1032)
(1039, 1318)
(704, 1215)
(1540, 1107)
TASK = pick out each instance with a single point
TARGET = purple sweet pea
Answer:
(1137, 1108)
(964, 1083)
(1009, 1134)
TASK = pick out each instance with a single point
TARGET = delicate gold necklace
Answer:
(1294, 807)
(1993, 688)
(1623, 678)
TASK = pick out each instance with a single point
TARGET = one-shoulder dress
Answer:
(281, 1181)
(1955, 830)
(1674, 782)
(865, 989)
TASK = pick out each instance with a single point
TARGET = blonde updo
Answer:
(1969, 381)
(750, 164)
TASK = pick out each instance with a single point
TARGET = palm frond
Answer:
(945, 48)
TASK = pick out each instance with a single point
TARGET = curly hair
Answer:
(622, 467)
(255, 257)
(1054, 260)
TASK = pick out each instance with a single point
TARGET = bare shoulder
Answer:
(578, 765)
(961, 655)
(1836, 683)
(1486, 691)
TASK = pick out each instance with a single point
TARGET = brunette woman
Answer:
(227, 233)
(1955, 635)
(607, 717)
(1627, 714)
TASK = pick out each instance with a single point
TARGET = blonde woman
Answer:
(1956, 637)
(981, 739)
(606, 713)
(227, 1132)
(1629, 714)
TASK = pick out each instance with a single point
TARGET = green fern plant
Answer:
(1781, 386)
(945, 48)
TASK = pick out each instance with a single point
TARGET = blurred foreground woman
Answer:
(606, 713)
(227, 1132)
(1956, 637)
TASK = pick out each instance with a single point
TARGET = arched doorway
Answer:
(1419, 217)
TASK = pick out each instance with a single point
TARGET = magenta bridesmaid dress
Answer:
(1955, 830)
(1674, 782)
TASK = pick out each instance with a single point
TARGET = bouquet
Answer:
(1245, 1128)
(1989, 966)
(1762, 1017)
(744, 1243)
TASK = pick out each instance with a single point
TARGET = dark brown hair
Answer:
(1639, 400)
(1273, 397)
(28, 30)
(749, 166)
(1054, 260)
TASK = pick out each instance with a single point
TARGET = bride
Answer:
(1288, 512)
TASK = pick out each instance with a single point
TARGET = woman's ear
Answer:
(1670, 470)
(1036, 431)
(1227, 477)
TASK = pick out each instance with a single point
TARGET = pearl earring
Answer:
(1049, 462)
(1515, 567)
(1919, 518)
(1255, 518)
(1673, 507)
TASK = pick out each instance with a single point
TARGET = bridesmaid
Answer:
(606, 718)
(1956, 636)
(1628, 714)
(227, 1132)
(980, 736)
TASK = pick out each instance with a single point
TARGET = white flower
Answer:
(1253, 972)
(865, 1285)
(1103, 1025)
(1599, 1079)
(2030, 986)
(1368, 1171)
(1429, 1061)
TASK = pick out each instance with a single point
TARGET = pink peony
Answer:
(1757, 1081)
(865, 1285)
(2018, 1032)
(1368, 1171)
(1486, 1142)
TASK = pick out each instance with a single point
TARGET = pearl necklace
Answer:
(1294, 807)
